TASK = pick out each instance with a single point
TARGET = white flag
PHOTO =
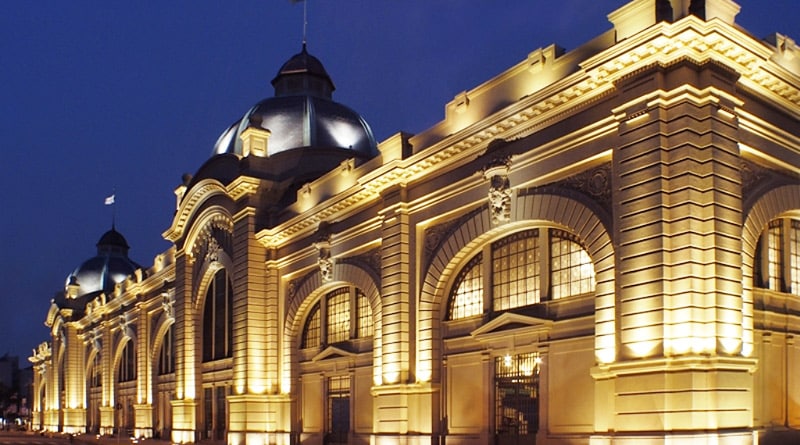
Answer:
(110, 200)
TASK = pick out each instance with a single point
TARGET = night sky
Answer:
(107, 97)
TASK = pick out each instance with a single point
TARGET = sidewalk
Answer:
(90, 439)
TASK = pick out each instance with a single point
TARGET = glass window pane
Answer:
(571, 268)
(515, 276)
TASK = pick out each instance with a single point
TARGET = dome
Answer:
(102, 272)
(302, 114)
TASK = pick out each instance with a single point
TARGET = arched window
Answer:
(311, 336)
(166, 355)
(778, 256)
(341, 322)
(218, 318)
(467, 297)
(95, 376)
(525, 268)
(126, 371)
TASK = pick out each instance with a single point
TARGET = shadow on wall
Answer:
(783, 437)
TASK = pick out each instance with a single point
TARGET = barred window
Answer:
(311, 331)
(364, 315)
(571, 269)
(527, 267)
(338, 315)
(516, 383)
(466, 299)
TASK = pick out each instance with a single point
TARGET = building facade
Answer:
(596, 246)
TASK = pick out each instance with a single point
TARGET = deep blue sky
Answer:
(103, 96)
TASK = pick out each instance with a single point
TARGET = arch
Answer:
(118, 350)
(202, 192)
(768, 207)
(158, 337)
(476, 230)
(206, 273)
(213, 216)
(310, 289)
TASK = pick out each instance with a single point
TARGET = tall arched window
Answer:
(218, 318)
(346, 314)
(126, 371)
(778, 256)
(166, 355)
(95, 376)
(525, 268)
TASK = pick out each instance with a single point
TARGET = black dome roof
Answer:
(102, 272)
(302, 114)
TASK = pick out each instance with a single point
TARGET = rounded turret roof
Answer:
(302, 114)
(102, 272)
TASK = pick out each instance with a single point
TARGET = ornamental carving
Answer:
(496, 172)
(125, 326)
(436, 235)
(369, 261)
(323, 245)
(168, 305)
(95, 337)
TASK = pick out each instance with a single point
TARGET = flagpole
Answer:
(305, 23)
(111, 201)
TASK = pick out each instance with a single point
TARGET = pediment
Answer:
(332, 352)
(510, 323)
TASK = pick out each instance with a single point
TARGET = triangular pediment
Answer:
(332, 352)
(511, 323)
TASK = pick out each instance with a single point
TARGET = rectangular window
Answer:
(339, 316)
(311, 333)
(775, 254)
(515, 270)
(794, 257)
(364, 316)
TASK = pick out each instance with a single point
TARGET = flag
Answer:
(109, 200)
(296, 1)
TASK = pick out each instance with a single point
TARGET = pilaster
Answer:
(74, 381)
(184, 408)
(143, 414)
(143, 409)
(107, 380)
(678, 217)
(395, 279)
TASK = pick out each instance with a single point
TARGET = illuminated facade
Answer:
(597, 246)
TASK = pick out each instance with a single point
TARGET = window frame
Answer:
(545, 235)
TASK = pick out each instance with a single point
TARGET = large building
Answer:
(599, 246)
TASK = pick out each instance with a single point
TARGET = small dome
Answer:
(102, 272)
(302, 114)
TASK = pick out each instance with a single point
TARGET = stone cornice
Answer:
(689, 38)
